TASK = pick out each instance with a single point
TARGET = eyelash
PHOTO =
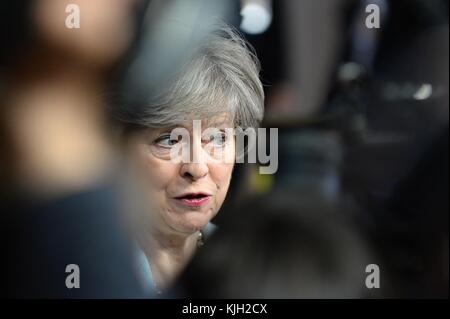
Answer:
(162, 138)
(158, 141)
(223, 136)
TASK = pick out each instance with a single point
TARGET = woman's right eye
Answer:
(165, 141)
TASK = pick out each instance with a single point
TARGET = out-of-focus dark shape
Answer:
(278, 246)
(383, 96)
(41, 238)
(391, 112)
(419, 216)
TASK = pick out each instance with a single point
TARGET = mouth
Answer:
(193, 199)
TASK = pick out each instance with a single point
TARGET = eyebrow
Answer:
(167, 129)
(223, 122)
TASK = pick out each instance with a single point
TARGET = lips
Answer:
(193, 199)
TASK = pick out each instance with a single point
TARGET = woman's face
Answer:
(186, 190)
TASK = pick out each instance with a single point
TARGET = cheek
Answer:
(221, 175)
(158, 173)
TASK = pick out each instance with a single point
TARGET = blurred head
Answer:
(281, 247)
(105, 31)
(106, 27)
(217, 90)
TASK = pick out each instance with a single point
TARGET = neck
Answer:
(169, 253)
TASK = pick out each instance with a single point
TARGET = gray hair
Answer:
(222, 75)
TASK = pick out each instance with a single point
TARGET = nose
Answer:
(194, 171)
(196, 168)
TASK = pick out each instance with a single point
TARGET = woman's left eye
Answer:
(218, 139)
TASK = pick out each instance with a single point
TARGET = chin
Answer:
(191, 223)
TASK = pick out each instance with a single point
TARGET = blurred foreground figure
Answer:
(58, 195)
(280, 247)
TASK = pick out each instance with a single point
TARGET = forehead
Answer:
(221, 120)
